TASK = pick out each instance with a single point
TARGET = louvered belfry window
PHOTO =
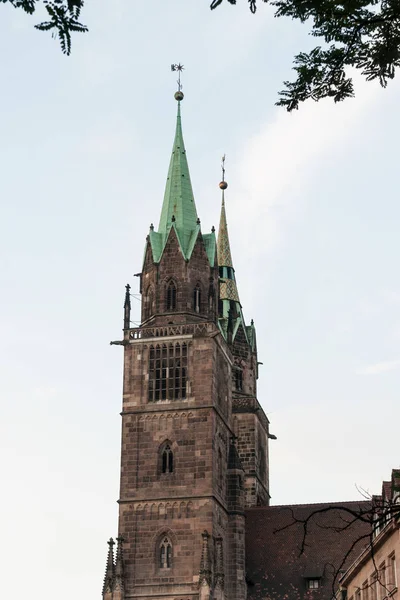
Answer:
(167, 372)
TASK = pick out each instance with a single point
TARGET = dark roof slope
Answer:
(276, 569)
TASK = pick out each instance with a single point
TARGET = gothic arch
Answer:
(171, 293)
(183, 419)
(166, 458)
(165, 553)
(169, 422)
(161, 539)
(189, 509)
(161, 511)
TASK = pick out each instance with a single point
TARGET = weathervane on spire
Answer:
(223, 185)
(178, 68)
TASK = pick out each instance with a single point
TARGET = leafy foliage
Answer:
(363, 34)
(63, 18)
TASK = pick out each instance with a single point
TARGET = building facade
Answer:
(373, 575)
(194, 437)
(194, 514)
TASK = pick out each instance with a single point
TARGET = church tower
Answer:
(194, 437)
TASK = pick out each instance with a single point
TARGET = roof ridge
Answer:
(334, 503)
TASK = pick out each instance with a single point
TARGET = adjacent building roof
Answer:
(277, 569)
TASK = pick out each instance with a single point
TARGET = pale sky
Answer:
(313, 211)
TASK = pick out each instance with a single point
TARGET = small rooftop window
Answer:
(313, 584)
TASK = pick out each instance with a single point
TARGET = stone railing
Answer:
(194, 329)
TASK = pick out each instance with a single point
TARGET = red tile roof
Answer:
(276, 568)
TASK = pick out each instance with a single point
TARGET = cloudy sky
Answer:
(313, 209)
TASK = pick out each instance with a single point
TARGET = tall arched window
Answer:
(167, 460)
(197, 298)
(170, 296)
(165, 554)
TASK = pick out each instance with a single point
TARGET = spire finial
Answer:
(119, 564)
(179, 94)
(178, 196)
(110, 568)
(223, 185)
(127, 309)
(205, 562)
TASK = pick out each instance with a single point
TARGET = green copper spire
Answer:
(231, 316)
(228, 289)
(179, 210)
(223, 247)
(178, 205)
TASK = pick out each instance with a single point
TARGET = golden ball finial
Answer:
(179, 95)
(223, 185)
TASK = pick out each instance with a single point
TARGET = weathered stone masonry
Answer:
(194, 438)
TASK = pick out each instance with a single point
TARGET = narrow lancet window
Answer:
(170, 300)
(239, 379)
(197, 299)
(165, 554)
(167, 458)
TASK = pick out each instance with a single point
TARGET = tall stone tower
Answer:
(194, 437)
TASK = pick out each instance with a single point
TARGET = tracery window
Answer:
(165, 554)
(167, 460)
(167, 372)
(170, 296)
(197, 298)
